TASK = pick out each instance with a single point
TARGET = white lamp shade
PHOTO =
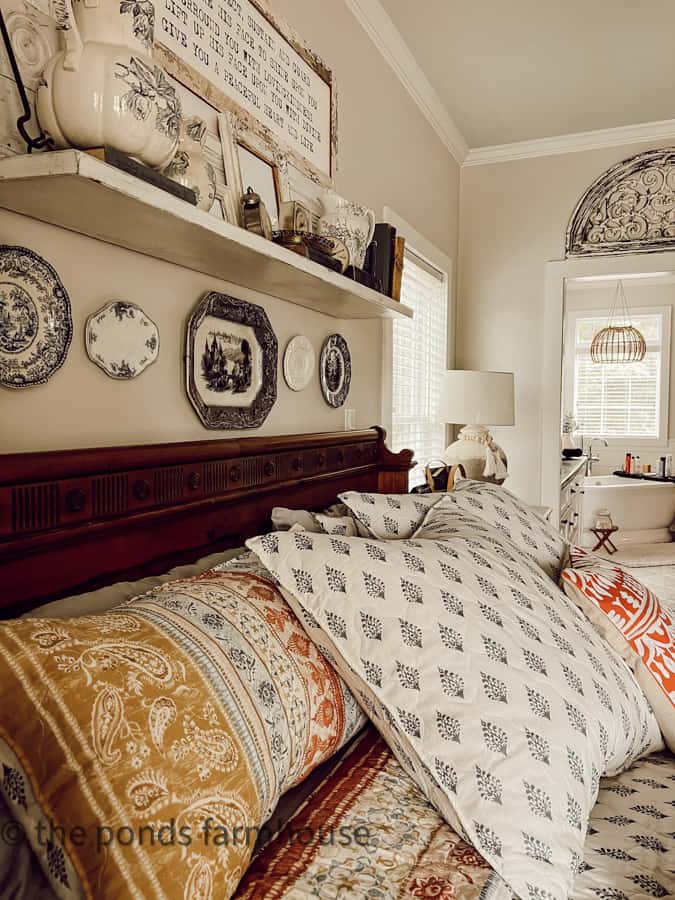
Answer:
(477, 398)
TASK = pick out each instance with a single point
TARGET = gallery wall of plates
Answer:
(232, 350)
(88, 331)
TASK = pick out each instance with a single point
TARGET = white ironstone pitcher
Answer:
(349, 222)
(103, 86)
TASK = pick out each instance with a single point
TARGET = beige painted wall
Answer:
(388, 155)
(513, 220)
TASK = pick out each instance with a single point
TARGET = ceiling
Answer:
(527, 69)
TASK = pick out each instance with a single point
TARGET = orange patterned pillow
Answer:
(631, 619)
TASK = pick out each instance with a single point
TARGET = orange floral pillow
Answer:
(631, 619)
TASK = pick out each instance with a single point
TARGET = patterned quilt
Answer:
(369, 832)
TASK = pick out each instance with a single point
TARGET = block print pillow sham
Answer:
(630, 617)
(511, 517)
(345, 525)
(156, 734)
(390, 516)
(333, 520)
(494, 692)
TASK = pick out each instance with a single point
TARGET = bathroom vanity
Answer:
(572, 473)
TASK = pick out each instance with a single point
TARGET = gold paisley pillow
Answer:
(141, 750)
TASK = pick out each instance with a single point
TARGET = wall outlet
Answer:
(350, 420)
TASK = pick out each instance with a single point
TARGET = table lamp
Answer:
(477, 399)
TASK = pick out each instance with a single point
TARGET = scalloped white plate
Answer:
(121, 339)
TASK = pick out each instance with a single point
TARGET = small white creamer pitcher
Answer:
(350, 223)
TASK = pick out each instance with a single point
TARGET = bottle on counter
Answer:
(626, 465)
(669, 465)
(638, 465)
(662, 466)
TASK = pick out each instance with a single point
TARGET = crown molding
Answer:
(571, 143)
(379, 27)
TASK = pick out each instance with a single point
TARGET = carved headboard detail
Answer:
(78, 519)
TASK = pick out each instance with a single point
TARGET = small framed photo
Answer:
(308, 192)
(231, 362)
(252, 161)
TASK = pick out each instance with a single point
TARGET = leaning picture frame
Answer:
(253, 161)
(230, 362)
(224, 205)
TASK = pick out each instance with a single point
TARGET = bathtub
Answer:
(643, 510)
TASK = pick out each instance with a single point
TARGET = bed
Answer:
(73, 522)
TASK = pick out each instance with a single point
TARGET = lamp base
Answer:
(476, 450)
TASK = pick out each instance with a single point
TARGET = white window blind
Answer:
(621, 400)
(419, 361)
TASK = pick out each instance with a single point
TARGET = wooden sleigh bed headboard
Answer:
(75, 520)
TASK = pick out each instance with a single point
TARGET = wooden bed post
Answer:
(395, 468)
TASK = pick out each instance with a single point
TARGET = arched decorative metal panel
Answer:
(629, 209)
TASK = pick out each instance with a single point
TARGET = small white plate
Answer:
(299, 363)
(122, 340)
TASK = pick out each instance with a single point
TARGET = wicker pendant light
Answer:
(619, 341)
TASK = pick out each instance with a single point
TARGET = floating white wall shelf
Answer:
(78, 192)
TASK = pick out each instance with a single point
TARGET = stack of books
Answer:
(383, 268)
(388, 252)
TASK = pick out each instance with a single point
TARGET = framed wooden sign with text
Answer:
(239, 57)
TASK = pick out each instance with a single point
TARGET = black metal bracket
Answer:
(42, 140)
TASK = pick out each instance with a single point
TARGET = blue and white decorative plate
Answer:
(36, 327)
(335, 370)
(121, 339)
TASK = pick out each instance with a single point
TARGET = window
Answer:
(621, 400)
(419, 353)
